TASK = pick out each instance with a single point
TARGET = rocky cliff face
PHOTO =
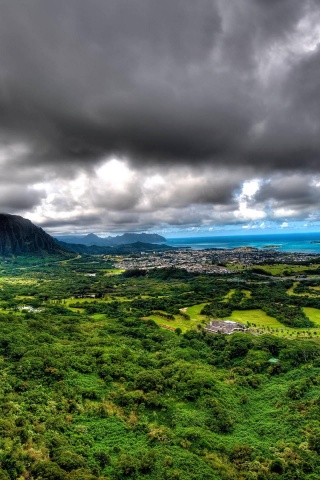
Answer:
(19, 236)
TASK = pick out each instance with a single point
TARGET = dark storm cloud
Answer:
(288, 197)
(160, 82)
(79, 80)
(13, 199)
(293, 190)
(76, 221)
(134, 113)
(202, 187)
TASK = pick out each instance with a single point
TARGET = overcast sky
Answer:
(167, 116)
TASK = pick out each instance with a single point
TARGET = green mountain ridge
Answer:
(136, 247)
(19, 236)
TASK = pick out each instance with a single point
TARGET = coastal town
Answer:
(221, 261)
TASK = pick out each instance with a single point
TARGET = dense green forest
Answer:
(92, 387)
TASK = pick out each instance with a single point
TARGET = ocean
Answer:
(290, 242)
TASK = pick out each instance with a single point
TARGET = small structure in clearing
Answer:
(225, 326)
(274, 360)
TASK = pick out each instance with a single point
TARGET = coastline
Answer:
(300, 243)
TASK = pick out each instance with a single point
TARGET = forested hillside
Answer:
(92, 386)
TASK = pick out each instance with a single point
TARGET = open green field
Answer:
(258, 317)
(194, 312)
(113, 271)
(178, 322)
(260, 321)
(313, 314)
(235, 266)
(181, 322)
(107, 298)
(67, 301)
(98, 316)
(282, 269)
(24, 297)
(18, 281)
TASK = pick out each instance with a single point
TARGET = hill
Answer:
(136, 247)
(124, 239)
(19, 236)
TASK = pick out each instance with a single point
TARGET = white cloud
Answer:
(284, 212)
(250, 188)
(246, 209)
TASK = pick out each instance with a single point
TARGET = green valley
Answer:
(109, 374)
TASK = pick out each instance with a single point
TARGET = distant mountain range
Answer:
(124, 239)
(19, 236)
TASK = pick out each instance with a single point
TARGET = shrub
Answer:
(46, 470)
(68, 460)
(148, 380)
(127, 465)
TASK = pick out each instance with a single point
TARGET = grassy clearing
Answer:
(5, 311)
(235, 266)
(65, 262)
(113, 271)
(178, 322)
(9, 311)
(24, 297)
(290, 291)
(18, 281)
(258, 317)
(261, 322)
(247, 293)
(285, 269)
(313, 314)
(107, 299)
(313, 291)
(194, 312)
(230, 293)
(233, 290)
(67, 301)
(99, 316)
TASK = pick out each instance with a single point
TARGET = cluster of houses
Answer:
(208, 260)
(195, 261)
(28, 308)
(225, 326)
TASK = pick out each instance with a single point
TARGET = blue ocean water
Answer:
(290, 242)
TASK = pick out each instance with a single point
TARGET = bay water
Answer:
(286, 242)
